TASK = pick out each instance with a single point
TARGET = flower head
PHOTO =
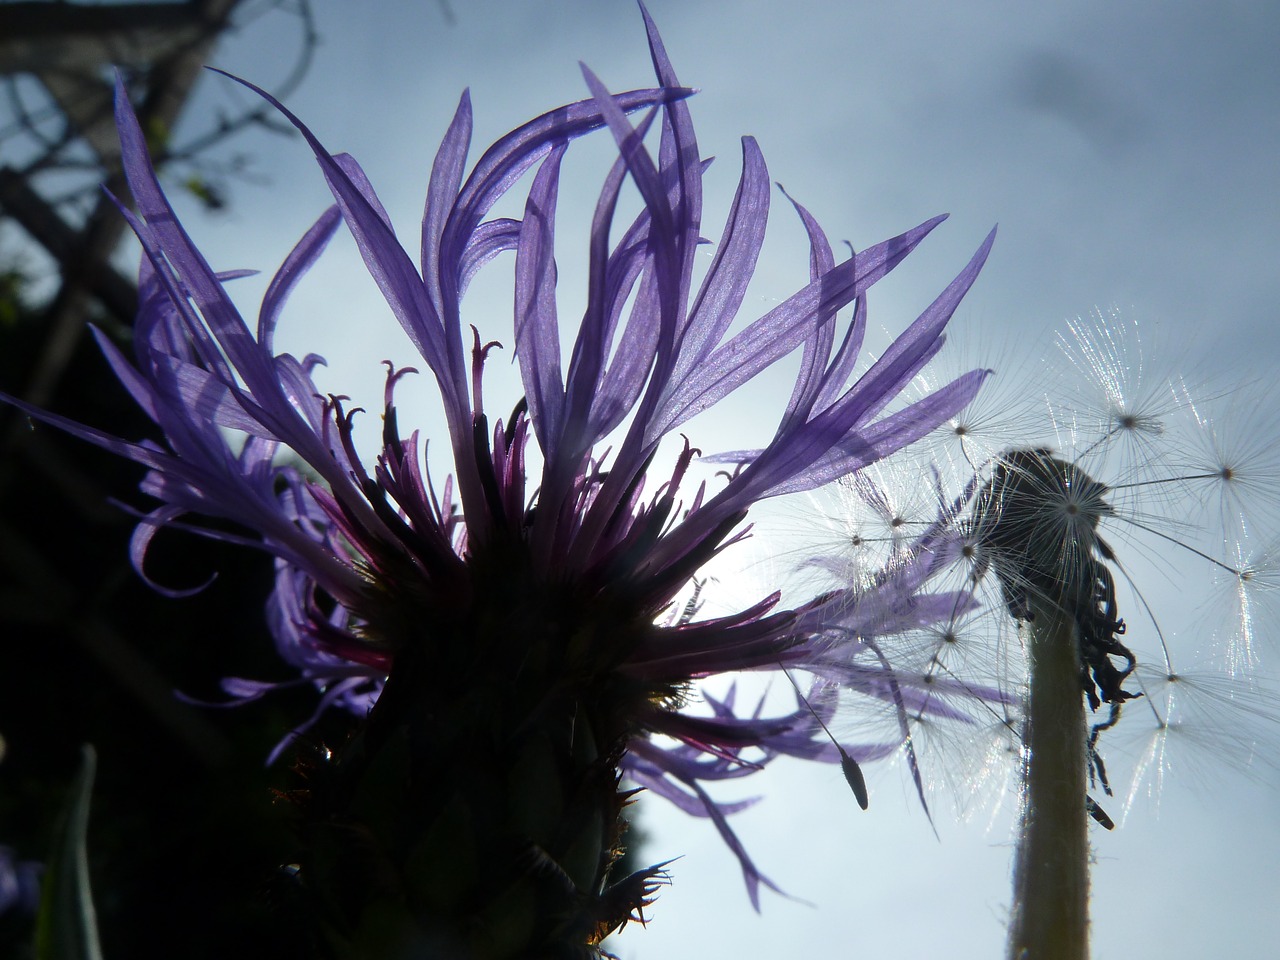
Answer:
(526, 625)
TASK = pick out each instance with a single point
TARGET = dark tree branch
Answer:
(65, 244)
(68, 47)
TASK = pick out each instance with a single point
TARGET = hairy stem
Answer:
(1051, 871)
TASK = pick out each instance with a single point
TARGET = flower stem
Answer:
(1051, 871)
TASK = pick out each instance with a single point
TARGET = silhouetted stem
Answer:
(1051, 872)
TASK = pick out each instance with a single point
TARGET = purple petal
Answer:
(298, 262)
(782, 329)
(735, 260)
(537, 332)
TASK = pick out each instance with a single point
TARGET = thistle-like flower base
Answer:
(476, 812)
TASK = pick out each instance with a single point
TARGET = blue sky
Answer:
(1128, 153)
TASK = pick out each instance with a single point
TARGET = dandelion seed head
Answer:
(1039, 516)
(1103, 489)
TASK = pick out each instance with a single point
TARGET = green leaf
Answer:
(67, 928)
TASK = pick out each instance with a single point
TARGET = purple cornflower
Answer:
(515, 639)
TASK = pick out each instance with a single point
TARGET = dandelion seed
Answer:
(1004, 414)
(1196, 720)
(1123, 403)
(1250, 584)
(1234, 462)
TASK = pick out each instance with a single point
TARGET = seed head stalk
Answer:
(1051, 868)
(1038, 520)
